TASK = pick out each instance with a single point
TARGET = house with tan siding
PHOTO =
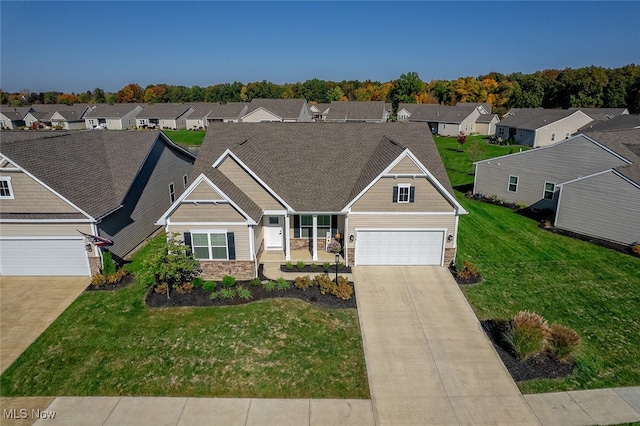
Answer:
(113, 117)
(590, 181)
(277, 110)
(358, 112)
(381, 190)
(447, 120)
(11, 118)
(56, 188)
(170, 116)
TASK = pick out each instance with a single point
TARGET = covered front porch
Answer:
(288, 237)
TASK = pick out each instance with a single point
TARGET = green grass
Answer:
(186, 137)
(111, 343)
(459, 160)
(594, 290)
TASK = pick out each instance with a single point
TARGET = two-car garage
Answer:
(399, 247)
(43, 256)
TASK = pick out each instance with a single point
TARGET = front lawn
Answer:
(111, 343)
(186, 137)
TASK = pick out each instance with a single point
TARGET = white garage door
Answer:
(399, 247)
(43, 257)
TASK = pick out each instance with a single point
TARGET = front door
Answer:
(273, 235)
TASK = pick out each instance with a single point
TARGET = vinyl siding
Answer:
(31, 196)
(249, 185)
(44, 229)
(406, 166)
(147, 199)
(240, 233)
(448, 129)
(260, 115)
(207, 213)
(604, 206)
(559, 163)
(569, 125)
(204, 192)
(379, 198)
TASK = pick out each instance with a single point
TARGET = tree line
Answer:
(593, 86)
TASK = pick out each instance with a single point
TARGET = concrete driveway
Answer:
(428, 360)
(28, 305)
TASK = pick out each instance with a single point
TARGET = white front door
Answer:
(273, 233)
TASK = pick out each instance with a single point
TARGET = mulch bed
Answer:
(125, 282)
(463, 281)
(318, 270)
(199, 297)
(541, 366)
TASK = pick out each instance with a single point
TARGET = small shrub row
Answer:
(529, 334)
(301, 265)
(340, 289)
(468, 271)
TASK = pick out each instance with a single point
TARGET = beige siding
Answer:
(207, 213)
(240, 233)
(604, 206)
(379, 198)
(260, 115)
(32, 197)
(204, 192)
(44, 229)
(448, 129)
(406, 166)
(568, 125)
(249, 185)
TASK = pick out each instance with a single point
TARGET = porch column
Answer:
(315, 237)
(345, 240)
(287, 242)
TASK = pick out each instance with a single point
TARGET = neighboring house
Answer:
(445, 120)
(198, 119)
(113, 117)
(537, 127)
(319, 111)
(590, 180)
(358, 112)
(602, 114)
(108, 184)
(486, 124)
(277, 110)
(164, 116)
(67, 117)
(283, 189)
(228, 113)
(626, 121)
(12, 118)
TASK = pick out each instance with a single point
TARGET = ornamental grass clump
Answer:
(528, 334)
(303, 283)
(563, 341)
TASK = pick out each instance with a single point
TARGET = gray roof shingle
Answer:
(533, 118)
(602, 114)
(357, 110)
(626, 121)
(438, 113)
(319, 167)
(167, 111)
(111, 111)
(288, 109)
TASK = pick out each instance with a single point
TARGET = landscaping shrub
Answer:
(227, 293)
(228, 281)
(108, 265)
(270, 285)
(197, 282)
(343, 290)
(325, 284)
(314, 266)
(243, 293)
(303, 283)
(256, 282)
(325, 266)
(184, 288)
(98, 280)
(528, 334)
(282, 284)
(635, 249)
(209, 286)
(300, 264)
(289, 266)
(161, 288)
(563, 341)
(468, 271)
(334, 247)
(214, 295)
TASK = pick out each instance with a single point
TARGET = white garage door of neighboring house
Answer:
(399, 247)
(43, 257)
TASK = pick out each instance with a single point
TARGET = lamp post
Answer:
(337, 261)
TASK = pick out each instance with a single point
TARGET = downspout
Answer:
(252, 245)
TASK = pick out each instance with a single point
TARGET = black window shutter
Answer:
(395, 194)
(187, 240)
(231, 244)
(412, 194)
(334, 224)
(296, 226)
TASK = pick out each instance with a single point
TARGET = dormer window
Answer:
(403, 193)
(6, 192)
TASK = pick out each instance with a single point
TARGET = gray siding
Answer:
(556, 164)
(147, 199)
(604, 206)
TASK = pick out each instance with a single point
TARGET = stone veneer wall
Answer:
(215, 270)
(305, 244)
(449, 255)
(95, 265)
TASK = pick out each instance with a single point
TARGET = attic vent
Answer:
(243, 142)
(609, 116)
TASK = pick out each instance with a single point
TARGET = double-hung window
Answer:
(6, 191)
(210, 245)
(513, 184)
(549, 190)
(404, 193)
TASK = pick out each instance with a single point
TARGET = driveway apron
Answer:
(428, 360)
(28, 305)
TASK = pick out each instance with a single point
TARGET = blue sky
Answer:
(78, 46)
